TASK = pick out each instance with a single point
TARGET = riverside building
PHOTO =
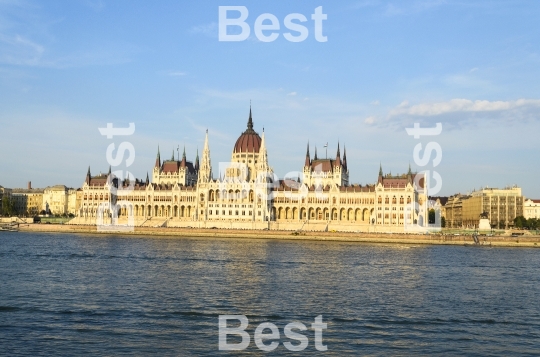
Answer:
(248, 195)
(500, 206)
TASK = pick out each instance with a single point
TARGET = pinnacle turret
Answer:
(158, 159)
(307, 163)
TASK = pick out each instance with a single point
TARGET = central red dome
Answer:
(249, 141)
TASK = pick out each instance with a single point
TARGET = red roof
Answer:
(322, 165)
(249, 141)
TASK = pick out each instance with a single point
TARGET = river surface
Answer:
(68, 294)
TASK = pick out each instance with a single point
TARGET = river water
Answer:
(66, 295)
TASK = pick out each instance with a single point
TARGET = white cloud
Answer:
(375, 102)
(210, 30)
(461, 105)
(292, 93)
(176, 73)
(369, 120)
(18, 50)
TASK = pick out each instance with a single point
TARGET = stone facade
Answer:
(57, 199)
(531, 209)
(27, 202)
(248, 195)
(499, 206)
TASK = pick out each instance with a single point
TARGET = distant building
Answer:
(27, 201)
(5, 194)
(531, 209)
(56, 199)
(454, 211)
(500, 206)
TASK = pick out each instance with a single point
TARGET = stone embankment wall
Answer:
(171, 232)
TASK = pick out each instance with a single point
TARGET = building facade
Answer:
(531, 209)
(247, 194)
(500, 206)
(27, 202)
(5, 195)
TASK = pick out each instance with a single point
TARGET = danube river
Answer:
(66, 295)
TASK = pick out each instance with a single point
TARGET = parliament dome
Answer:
(249, 141)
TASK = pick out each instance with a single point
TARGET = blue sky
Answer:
(69, 67)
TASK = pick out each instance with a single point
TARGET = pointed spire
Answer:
(380, 170)
(172, 158)
(183, 163)
(88, 176)
(205, 169)
(315, 158)
(147, 179)
(409, 172)
(109, 173)
(344, 157)
(338, 156)
(197, 161)
(250, 120)
(307, 163)
(158, 159)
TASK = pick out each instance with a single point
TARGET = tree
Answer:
(7, 207)
(443, 222)
(520, 222)
(431, 216)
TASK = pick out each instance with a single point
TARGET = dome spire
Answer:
(250, 120)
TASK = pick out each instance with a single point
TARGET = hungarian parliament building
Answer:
(247, 194)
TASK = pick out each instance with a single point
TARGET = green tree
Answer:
(520, 222)
(431, 216)
(7, 207)
(532, 223)
(443, 222)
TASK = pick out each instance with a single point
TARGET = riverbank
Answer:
(168, 232)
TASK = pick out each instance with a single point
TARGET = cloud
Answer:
(96, 5)
(461, 105)
(369, 120)
(210, 30)
(176, 73)
(461, 113)
(292, 93)
(414, 7)
(375, 102)
(19, 50)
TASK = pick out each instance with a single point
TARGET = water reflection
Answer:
(71, 294)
